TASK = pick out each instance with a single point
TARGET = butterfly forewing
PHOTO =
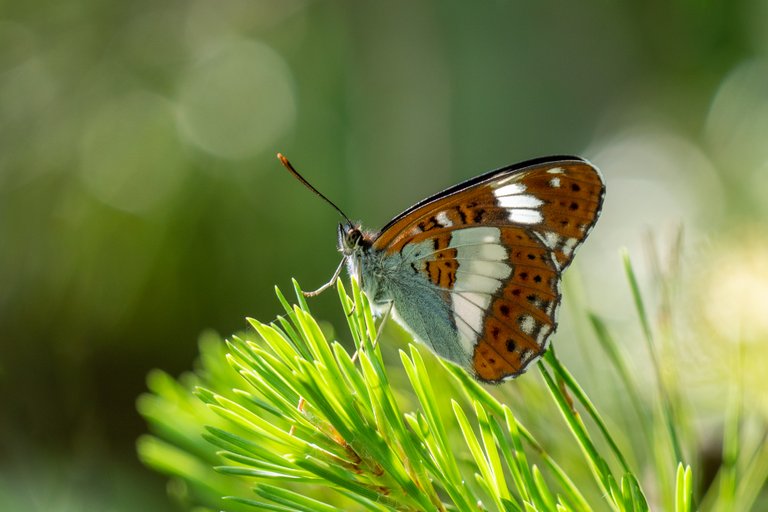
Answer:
(494, 248)
(571, 195)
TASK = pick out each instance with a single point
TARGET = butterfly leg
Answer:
(384, 319)
(329, 283)
(359, 279)
(379, 330)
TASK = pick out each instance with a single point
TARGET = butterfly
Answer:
(474, 271)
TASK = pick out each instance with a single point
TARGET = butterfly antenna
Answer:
(299, 177)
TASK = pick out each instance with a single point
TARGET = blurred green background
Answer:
(141, 202)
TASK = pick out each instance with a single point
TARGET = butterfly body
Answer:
(474, 271)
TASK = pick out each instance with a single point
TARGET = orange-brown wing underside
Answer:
(543, 212)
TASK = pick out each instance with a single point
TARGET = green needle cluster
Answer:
(285, 419)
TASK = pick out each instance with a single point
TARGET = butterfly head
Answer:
(351, 238)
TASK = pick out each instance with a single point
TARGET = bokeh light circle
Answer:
(738, 117)
(737, 124)
(238, 100)
(737, 293)
(656, 178)
(130, 155)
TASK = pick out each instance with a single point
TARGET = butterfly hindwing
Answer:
(491, 251)
(503, 295)
(521, 316)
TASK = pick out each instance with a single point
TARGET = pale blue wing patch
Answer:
(421, 308)
(482, 271)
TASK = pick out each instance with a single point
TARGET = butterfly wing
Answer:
(492, 250)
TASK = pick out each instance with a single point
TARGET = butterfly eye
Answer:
(350, 238)
(354, 237)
